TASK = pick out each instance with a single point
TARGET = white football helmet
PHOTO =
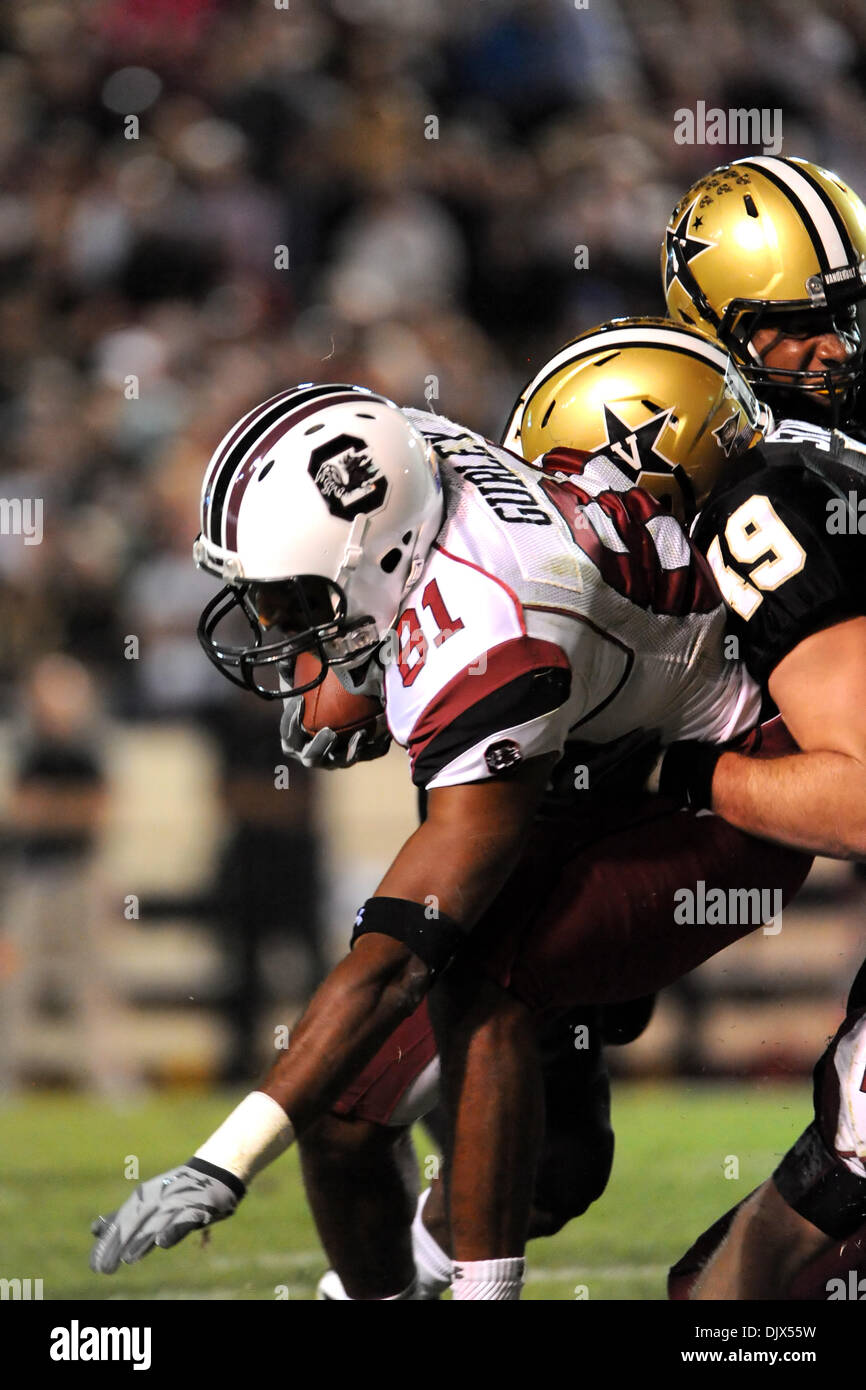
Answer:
(318, 508)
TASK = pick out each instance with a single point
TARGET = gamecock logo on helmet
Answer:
(347, 477)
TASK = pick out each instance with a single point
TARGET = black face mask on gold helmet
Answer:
(827, 395)
(773, 241)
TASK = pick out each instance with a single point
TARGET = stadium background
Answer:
(201, 202)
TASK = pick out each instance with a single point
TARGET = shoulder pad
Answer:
(836, 458)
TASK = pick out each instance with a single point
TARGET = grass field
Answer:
(63, 1160)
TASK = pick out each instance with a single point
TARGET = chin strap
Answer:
(354, 551)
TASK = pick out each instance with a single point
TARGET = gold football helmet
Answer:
(770, 236)
(663, 402)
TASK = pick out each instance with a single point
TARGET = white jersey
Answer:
(558, 603)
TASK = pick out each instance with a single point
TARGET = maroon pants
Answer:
(597, 916)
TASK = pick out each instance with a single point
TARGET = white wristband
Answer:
(253, 1135)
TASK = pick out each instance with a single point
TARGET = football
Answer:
(329, 705)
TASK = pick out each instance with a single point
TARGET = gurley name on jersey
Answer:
(558, 603)
(785, 567)
(500, 487)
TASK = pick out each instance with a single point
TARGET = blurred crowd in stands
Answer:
(204, 201)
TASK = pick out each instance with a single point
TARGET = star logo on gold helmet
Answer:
(634, 447)
(680, 247)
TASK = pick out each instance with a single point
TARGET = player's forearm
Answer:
(440, 882)
(814, 801)
(349, 1017)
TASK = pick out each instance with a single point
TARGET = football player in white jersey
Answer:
(646, 395)
(637, 396)
(531, 605)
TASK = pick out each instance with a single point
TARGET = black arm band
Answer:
(687, 773)
(431, 935)
(201, 1165)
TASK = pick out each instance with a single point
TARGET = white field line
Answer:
(269, 1259)
(536, 1273)
(184, 1296)
(300, 1261)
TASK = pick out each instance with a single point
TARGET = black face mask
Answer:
(310, 611)
(827, 396)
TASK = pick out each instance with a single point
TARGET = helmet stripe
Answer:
(852, 256)
(620, 338)
(243, 478)
(237, 430)
(265, 416)
(221, 481)
(813, 205)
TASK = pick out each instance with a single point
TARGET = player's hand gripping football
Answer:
(328, 748)
(161, 1211)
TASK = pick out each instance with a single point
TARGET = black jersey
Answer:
(787, 543)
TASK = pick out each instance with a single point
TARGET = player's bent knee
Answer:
(571, 1192)
(573, 1188)
(337, 1139)
(573, 1172)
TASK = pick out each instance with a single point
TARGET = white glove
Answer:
(328, 748)
(161, 1211)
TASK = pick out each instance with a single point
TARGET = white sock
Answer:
(330, 1288)
(495, 1280)
(431, 1262)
